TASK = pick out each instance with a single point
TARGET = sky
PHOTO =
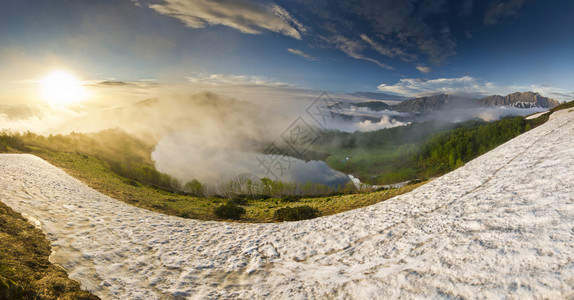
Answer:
(407, 48)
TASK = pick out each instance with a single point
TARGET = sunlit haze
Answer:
(61, 88)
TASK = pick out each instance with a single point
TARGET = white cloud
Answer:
(246, 80)
(420, 87)
(284, 14)
(385, 122)
(301, 53)
(424, 69)
(353, 48)
(243, 15)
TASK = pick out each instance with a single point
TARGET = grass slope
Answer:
(99, 175)
(386, 157)
(25, 272)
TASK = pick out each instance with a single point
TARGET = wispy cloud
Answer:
(244, 80)
(142, 84)
(243, 15)
(409, 29)
(353, 48)
(301, 53)
(502, 9)
(553, 92)
(387, 51)
(420, 87)
(424, 69)
(408, 25)
(287, 17)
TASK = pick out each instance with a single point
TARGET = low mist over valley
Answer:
(214, 138)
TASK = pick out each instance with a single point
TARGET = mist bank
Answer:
(364, 119)
(182, 158)
(376, 114)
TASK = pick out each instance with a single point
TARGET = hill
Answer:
(372, 105)
(433, 103)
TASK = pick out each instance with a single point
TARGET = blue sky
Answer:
(403, 47)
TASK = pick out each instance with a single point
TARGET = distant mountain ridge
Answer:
(440, 102)
(520, 100)
(373, 105)
(432, 103)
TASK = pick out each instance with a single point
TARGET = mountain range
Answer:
(442, 102)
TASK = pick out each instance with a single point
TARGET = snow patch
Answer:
(501, 226)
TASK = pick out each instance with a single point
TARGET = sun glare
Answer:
(61, 88)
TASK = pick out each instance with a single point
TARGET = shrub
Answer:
(296, 213)
(194, 188)
(240, 199)
(229, 210)
(417, 181)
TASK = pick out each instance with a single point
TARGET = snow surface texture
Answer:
(501, 226)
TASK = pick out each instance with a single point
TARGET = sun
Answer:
(61, 88)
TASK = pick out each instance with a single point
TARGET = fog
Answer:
(487, 114)
(353, 119)
(181, 158)
(41, 119)
(222, 144)
(213, 137)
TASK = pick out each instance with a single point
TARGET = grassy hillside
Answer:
(25, 272)
(120, 166)
(122, 154)
(418, 150)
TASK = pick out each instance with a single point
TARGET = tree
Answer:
(267, 184)
(195, 188)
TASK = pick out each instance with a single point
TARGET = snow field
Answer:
(501, 226)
